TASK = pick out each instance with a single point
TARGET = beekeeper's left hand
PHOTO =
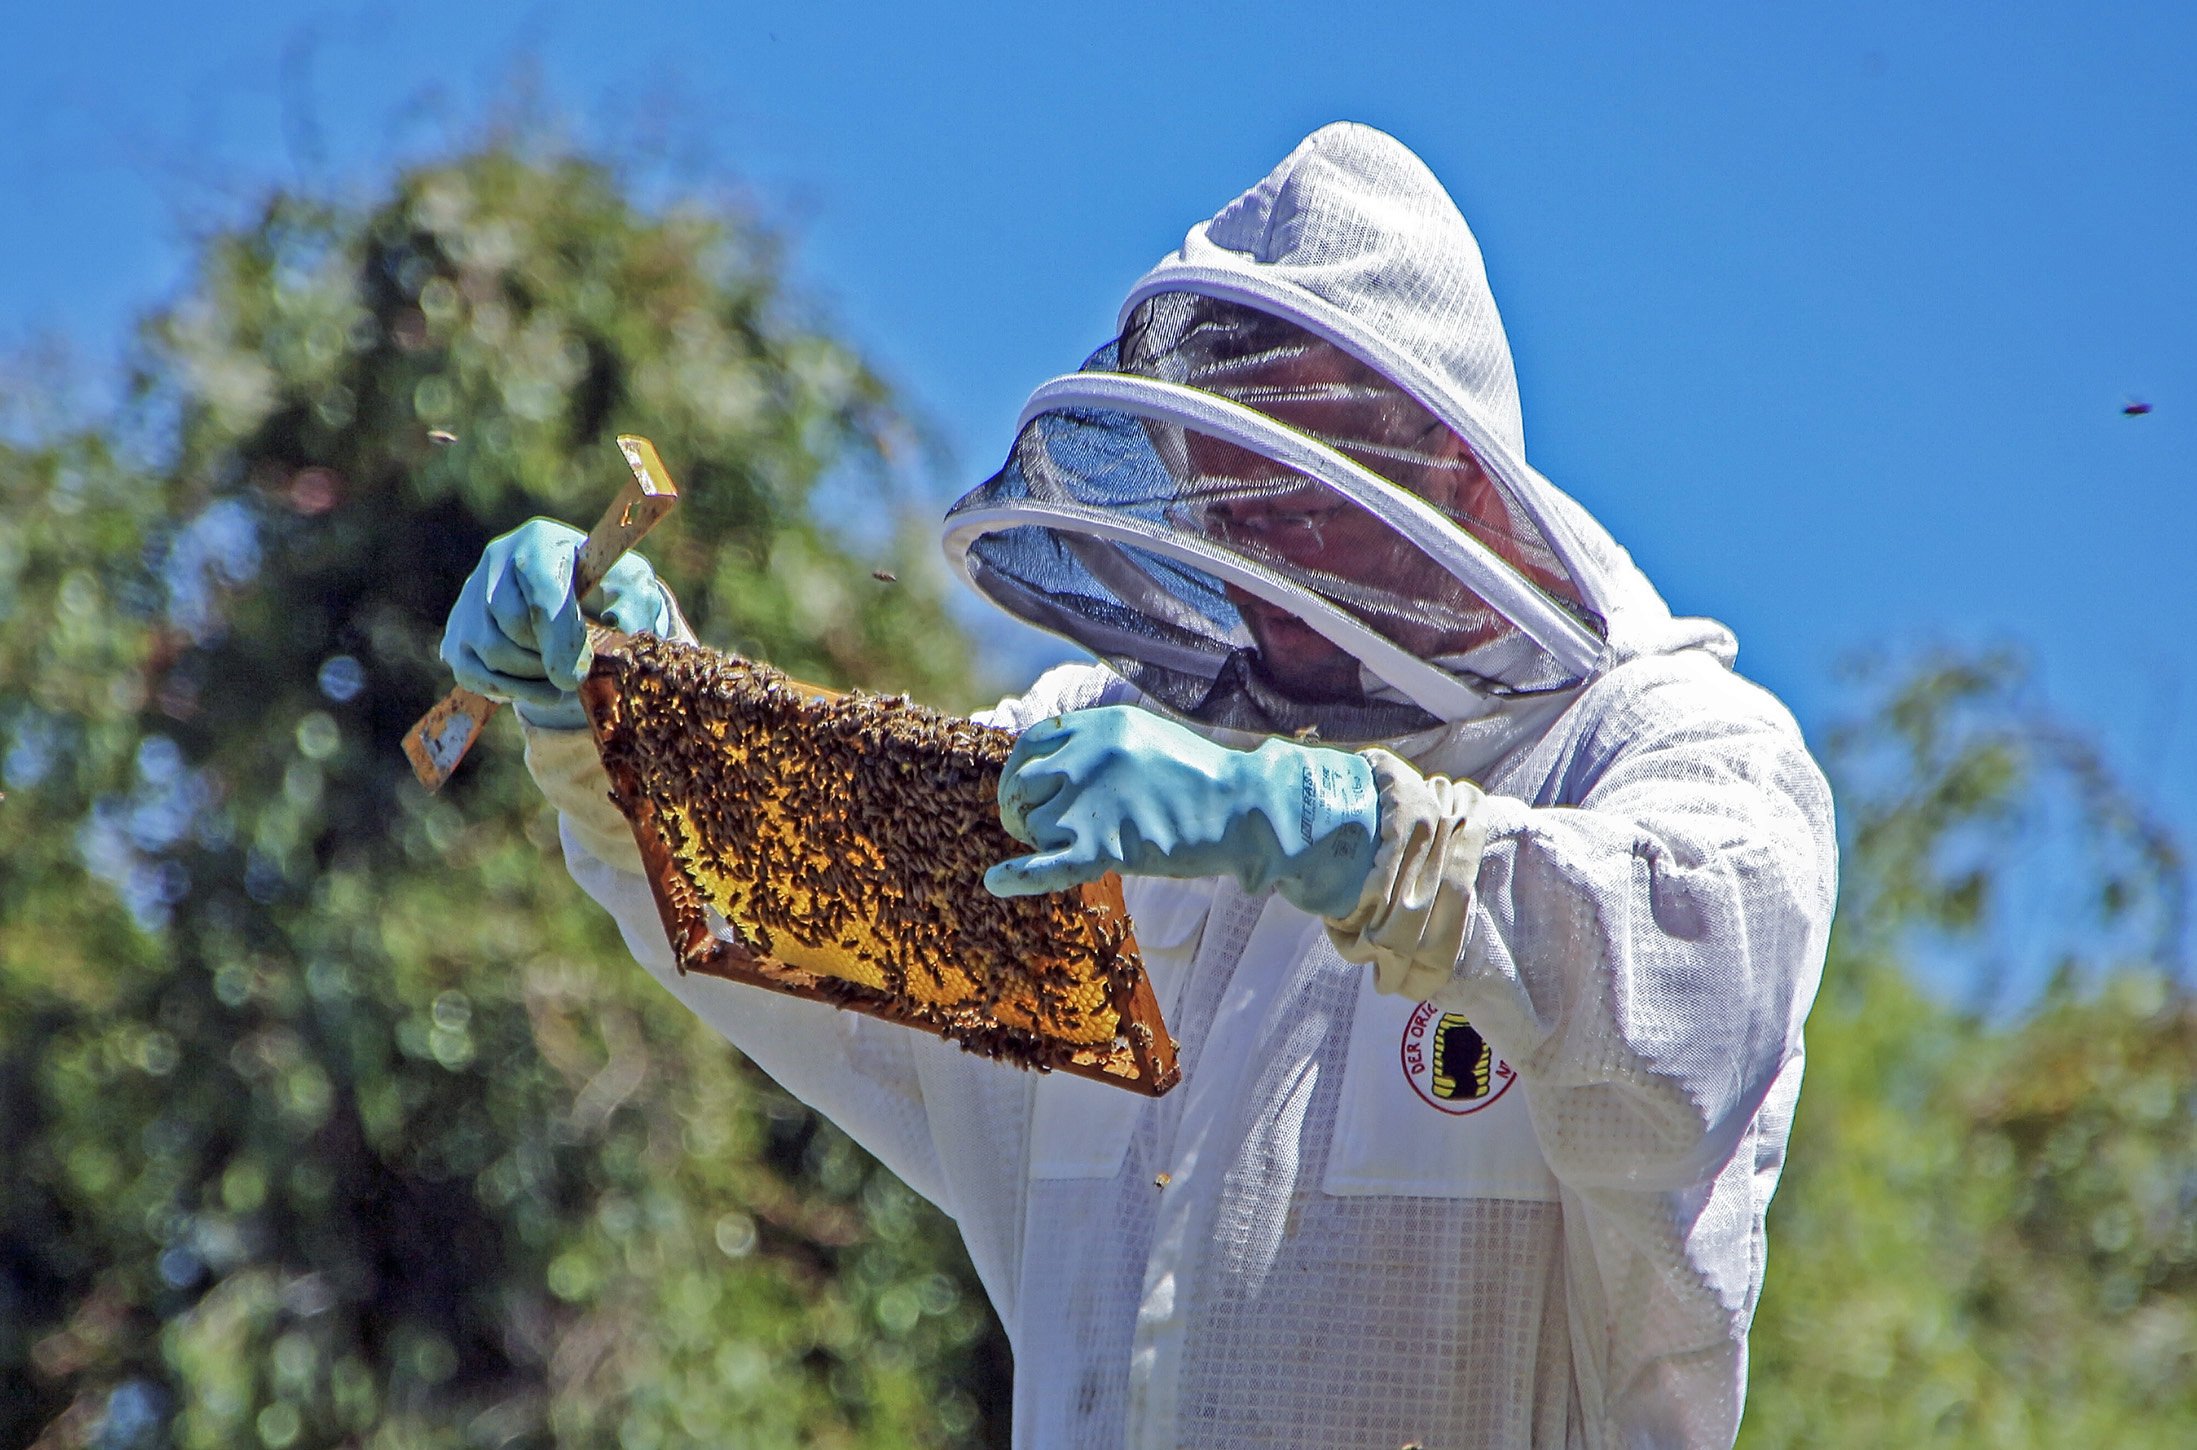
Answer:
(1122, 789)
(516, 632)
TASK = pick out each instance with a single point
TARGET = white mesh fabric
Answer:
(1344, 1251)
(1351, 246)
(1353, 219)
(1300, 1318)
(1221, 479)
(1353, 237)
(1163, 569)
(1648, 993)
(1302, 379)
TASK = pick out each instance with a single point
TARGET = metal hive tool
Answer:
(833, 847)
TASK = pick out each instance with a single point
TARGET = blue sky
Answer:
(1830, 318)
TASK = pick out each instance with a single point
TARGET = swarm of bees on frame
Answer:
(847, 837)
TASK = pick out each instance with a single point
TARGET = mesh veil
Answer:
(1261, 532)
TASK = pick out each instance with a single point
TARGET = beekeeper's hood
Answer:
(1293, 492)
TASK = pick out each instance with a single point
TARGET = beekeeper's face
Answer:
(1315, 534)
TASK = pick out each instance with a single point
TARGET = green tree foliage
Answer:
(1987, 1232)
(333, 1114)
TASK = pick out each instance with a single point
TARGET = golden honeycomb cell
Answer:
(834, 847)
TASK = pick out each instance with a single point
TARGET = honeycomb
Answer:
(834, 847)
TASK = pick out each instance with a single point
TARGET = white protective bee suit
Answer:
(1516, 1198)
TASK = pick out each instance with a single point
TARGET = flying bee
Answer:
(884, 576)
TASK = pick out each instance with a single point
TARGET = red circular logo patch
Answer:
(1449, 1064)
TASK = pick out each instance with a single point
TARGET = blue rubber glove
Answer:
(1122, 789)
(516, 632)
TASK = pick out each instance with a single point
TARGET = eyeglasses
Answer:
(1260, 526)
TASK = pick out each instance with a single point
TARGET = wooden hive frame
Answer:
(923, 856)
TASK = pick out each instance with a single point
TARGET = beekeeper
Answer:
(1484, 899)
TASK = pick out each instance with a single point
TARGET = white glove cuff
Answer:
(1412, 920)
(564, 763)
(569, 771)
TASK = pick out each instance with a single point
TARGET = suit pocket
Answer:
(1430, 1110)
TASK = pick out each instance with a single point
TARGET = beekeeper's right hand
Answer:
(516, 633)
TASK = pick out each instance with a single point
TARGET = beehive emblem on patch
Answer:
(1449, 1064)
